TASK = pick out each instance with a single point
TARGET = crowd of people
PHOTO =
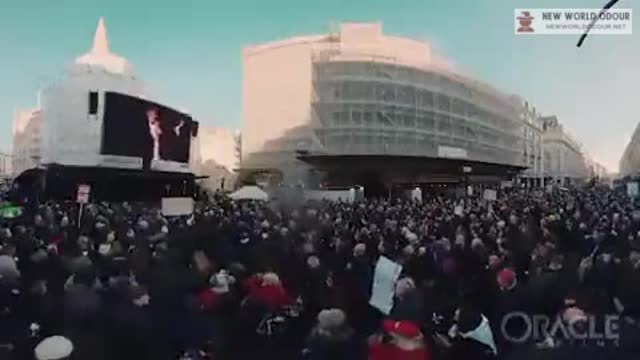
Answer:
(255, 280)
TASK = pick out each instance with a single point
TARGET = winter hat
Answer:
(403, 329)
(476, 243)
(404, 286)
(506, 278)
(270, 278)
(408, 250)
(143, 224)
(412, 238)
(220, 282)
(313, 262)
(53, 348)
(494, 261)
(331, 318)
(359, 249)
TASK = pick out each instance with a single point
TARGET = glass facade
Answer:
(374, 108)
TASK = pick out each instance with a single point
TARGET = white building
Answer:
(27, 140)
(630, 161)
(6, 165)
(533, 144)
(595, 169)
(71, 134)
(564, 160)
(360, 92)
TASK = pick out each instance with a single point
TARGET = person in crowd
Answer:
(471, 336)
(333, 339)
(399, 340)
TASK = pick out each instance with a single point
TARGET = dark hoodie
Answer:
(338, 344)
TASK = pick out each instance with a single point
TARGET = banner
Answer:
(178, 206)
(490, 195)
(83, 194)
(384, 281)
(10, 212)
(458, 210)
(632, 189)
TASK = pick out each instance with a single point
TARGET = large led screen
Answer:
(138, 128)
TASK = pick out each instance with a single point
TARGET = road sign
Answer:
(83, 194)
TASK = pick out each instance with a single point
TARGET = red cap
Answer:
(405, 329)
(506, 277)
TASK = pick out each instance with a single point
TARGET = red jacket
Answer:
(273, 296)
(379, 351)
(209, 300)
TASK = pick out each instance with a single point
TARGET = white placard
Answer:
(632, 189)
(506, 184)
(83, 194)
(469, 190)
(177, 206)
(384, 281)
(458, 210)
(490, 194)
(416, 194)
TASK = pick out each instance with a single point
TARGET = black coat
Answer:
(345, 345)
(467, 349)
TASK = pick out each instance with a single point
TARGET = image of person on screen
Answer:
(155, 131)
(168, 137)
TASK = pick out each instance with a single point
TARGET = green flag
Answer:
(10, 211)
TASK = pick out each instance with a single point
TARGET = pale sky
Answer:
(189, 53)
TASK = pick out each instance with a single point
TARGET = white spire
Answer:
(100, 41)
(101, 56)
